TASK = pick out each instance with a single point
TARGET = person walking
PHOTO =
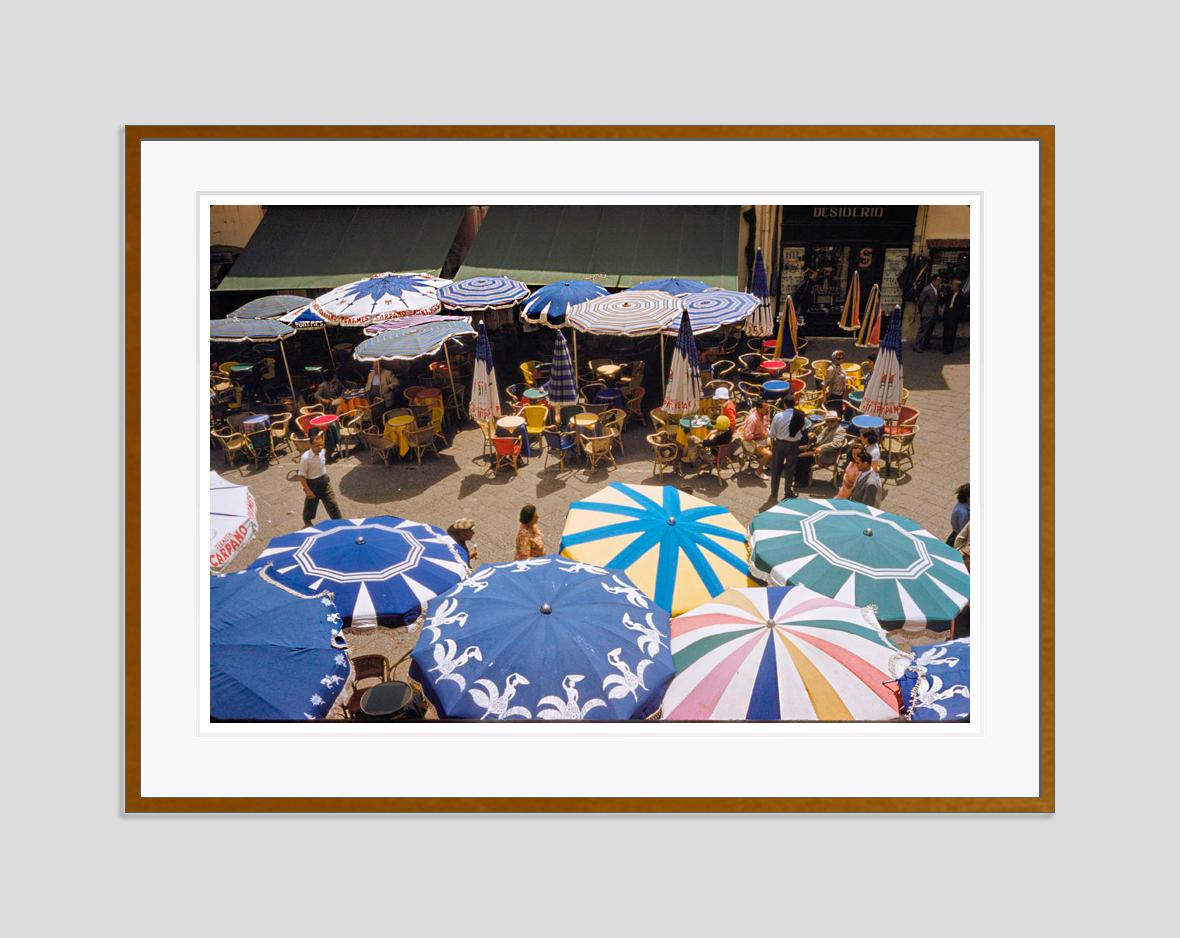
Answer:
(961, 513)
(313, 476)
(530, 542)
(867, 487)
(462, 532)
(786, 433)
(836, 384)
(928, 301)
(957, 310)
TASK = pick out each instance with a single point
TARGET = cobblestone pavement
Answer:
(456, 485)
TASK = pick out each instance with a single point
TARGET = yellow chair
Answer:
(225, 367)
(535, 418)
(799, 365)
(819, 368)
(528, 372)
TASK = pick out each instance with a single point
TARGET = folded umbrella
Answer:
(233, 520)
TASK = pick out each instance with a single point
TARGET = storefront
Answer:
(823, 244)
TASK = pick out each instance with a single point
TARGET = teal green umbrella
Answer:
(862, 556)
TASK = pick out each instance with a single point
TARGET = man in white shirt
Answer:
(786, 434)
(313, 476)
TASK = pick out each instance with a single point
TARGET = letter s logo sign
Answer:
(866, 257)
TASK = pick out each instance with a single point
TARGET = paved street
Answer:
(456, 484)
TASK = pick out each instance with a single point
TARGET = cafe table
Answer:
(774, 367)
(612, 396)
(862, 422)
(699, 426)
(585, 423)
(397, 431)
(772, 390)
(769, 344)
(609, 373)
(536, 395)
(256, 428)
(515, 426)
(390, 701)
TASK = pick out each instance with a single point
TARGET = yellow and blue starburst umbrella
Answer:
(679, 549)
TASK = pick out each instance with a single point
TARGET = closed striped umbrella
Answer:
(850, 317)
(485, 396)
(679, 549)
(761, 324)
(783, 653)
(378, 297)
(548, 305)
(869, 334)
(861, 555)
(563, 383)
(683, 394)
(478, 293)
(269, 307)
(787, 345)
(674, 286)
(716, 308)
(632, 312)
(882, 397)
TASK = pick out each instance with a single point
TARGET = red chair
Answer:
(722, 458)
(303, 421)
(505, 452)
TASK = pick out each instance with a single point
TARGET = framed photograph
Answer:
(589, 469)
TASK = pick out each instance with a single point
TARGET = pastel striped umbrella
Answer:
(562, 387)
(269, 307)
(632, 312)
(882, 397)
(850, 317)
(863, 556)
(761, 324)
(783, 653)
(548, 304)
(406, 322)
(677, 548)
(674, 286)
(233, 520)
(716, 308)
(378, 297)
(683, 393)
(478, 293)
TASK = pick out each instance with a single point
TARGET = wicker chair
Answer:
(377, 445)
(659, 418)
(280, 425)
(350, 430)
(611, 424)
(590, 390)
(488, 428)
(665, 454)
(367, 671)
(723, 368)
(599, 449)
(421, 440)
(232, 444)
(722, 459)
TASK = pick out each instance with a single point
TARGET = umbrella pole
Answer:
(663, 369)
(331, 357)
(287, 368)
(451, 375)
(575, 332)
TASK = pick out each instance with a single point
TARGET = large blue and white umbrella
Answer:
(485, 396)
(305, 319)
(548, 305)
(544, 639)
(379, 297)
(683, 393)
(381, 571)
(563, 382)
(406, 322)
(275, 653)
(761, 324)
(673, 285)
(413, 341)
(937, 685)
(477, 293)
(269, 307)
(716, 308)
(632, 313)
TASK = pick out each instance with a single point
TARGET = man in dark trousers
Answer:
(957, 310)
(928, 301)
(786, 435)
(313, 476)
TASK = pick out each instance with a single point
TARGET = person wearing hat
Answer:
(827, 443)
(462, 532)
(836, 384)
(728, 408)
(756, 436)
(721, 434)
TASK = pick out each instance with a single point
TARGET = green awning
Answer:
(614, 245)
(323, 246)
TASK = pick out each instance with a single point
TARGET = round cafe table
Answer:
(536, 395)
(585, 422)
(865, 422)
(774, 389)
(256, 429)
(612, 396)
(389, 701)
(769, 344)
(241, 370)
(698, 426)
(322, 421)
(609, 373)
(515, 426)
(397, 431)
(774, 367)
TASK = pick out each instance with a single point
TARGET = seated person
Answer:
(851, 471)
(381, 383)
(824, 448)
(727, 405)
(755, 436)
(869, 440)
(721, 434)
(328, 392)
(867, 487)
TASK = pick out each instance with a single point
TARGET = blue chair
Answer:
(560, 444)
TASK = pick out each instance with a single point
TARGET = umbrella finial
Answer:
(546, 609)
(360, 539)
(671, 520)
(868, 532)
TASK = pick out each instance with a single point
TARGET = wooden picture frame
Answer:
(137, 802)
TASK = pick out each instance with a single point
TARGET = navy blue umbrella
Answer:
(381, 571)
(544, 639)
(937, 684)
(275, 653)
(549, 304)
(674, 285)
